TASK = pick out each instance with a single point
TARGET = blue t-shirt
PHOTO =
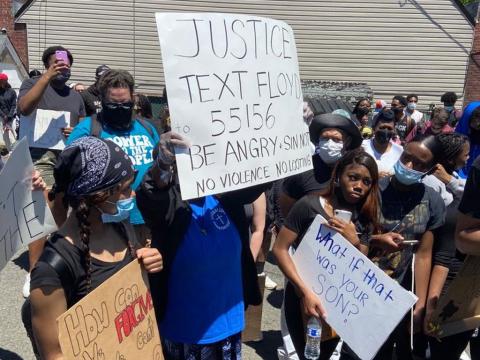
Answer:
(136, 142)
(205, 291)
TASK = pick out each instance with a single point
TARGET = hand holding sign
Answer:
(234, 90)
(364, 305)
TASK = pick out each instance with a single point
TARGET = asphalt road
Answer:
(15, 345)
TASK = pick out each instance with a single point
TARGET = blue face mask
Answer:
(124, 207)
(407, 176)
(449, 108)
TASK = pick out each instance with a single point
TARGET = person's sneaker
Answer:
(26, 286)
(270, 284)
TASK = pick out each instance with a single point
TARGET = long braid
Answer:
(451, 144)
(82, 213)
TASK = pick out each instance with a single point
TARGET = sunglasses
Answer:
(114, 105)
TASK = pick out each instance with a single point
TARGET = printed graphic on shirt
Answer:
(219, 218)
(138, 148)
(411, 226)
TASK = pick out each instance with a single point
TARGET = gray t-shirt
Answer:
(65, 99)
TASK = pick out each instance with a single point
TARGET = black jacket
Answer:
(8, 104)
(168, 217)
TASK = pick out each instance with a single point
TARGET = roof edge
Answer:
(23, 9)
(6, 43)
(471, 19)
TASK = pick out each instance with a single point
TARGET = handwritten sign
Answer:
(116, 321)
(363, 304)
(459, 309)
(43, 128)
(234, 91)
(24, 214)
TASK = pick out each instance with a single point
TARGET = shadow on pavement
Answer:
(8, 355)
(275, 298)
(267, 348)
(22, 262)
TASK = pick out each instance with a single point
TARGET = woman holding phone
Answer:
(353, 193)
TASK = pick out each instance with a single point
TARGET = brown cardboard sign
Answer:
(116, 321)
(459, 309)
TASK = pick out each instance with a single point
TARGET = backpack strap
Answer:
(95, 126)
(147, 126)
(56, 261)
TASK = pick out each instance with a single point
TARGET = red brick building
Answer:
(17, 33)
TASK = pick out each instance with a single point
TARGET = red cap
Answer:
(3, 76)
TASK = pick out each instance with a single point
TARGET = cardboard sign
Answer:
(116, 321)
(234, 92)
(43, 128)
(363, 304)
(459, 309)
(253, 317)
(24, 214)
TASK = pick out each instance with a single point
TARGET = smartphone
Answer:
(344, 215)
(410, 242)
(61, 55)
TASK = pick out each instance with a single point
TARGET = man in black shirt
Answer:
(91, 96)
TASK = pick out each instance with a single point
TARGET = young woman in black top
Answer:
(94, 242)
(354, 187)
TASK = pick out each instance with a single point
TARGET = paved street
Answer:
(14, 344)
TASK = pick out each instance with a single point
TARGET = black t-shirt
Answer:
(318, 179)
(308, 207)
(91, 98)
(409, 213)
(470, 204)
(44, 275)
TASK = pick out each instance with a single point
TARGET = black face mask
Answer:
(361, 112)
(62, 78)
(117, 116)
(397, 110)
(383, 136)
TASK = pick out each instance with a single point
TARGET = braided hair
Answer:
(451, 145)
(82, 207)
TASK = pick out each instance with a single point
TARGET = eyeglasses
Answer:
(114, 105)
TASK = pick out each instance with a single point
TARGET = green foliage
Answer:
(466, 2)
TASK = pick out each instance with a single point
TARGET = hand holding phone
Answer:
(343, 215)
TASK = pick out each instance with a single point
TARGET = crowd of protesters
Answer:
(402, 175)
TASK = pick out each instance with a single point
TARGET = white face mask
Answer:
(329, 150)
(412, 106)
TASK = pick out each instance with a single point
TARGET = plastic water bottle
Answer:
(314, 332)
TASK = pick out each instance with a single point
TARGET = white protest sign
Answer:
(43, 128)
(24, 214)
(234, 92)
(363, 304)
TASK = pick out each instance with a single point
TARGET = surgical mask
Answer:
(118, 116)
(407, 176)
(383, 136)
(124, 207)
(449, 108)
(329, 151)
(412, 106)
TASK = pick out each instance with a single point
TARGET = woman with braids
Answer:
(446, 261)
(95, 242)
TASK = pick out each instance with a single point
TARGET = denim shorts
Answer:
(227, 349)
